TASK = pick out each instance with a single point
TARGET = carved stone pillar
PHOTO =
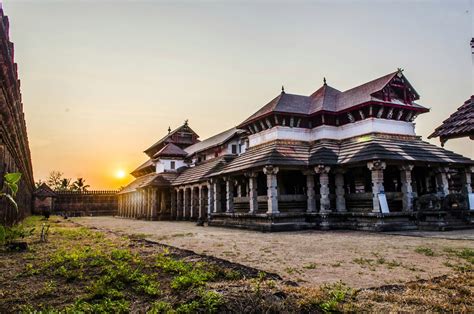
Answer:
(340, 199)
(253, 193)
(323, 172)
(210, 198)
(187, 203)
(272, 189)
(376, 167)
(153, 204)
(217, 195)
(467, 180)
(194, 203)
(442, 183)
(173, 204)
(229, 194)
(202, 203)
(179, 204)
(407, 189)
(310, 193)
(163, 204)
(239, 188)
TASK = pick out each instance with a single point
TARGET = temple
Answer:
(331, 160)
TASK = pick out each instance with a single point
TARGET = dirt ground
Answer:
(359, 259)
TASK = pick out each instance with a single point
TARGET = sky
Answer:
(102, 81)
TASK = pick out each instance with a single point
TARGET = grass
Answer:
(425, 251)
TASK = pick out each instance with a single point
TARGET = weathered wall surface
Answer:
(89, 203)
(14, 149)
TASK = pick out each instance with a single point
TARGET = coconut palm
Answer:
(79, 185)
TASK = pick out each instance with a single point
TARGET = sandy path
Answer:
(359, 259)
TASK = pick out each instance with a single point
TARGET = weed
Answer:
(310, 266)
(159, 307)
(425, 251)
(100, 306)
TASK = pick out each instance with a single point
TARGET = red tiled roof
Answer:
(170, 150)
(327, 98)
(213, 141)
(459, 124)
(167, 139)
(151, 179)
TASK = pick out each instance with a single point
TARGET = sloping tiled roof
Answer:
(327, 98)
(284, 102)
(272, 153)
(44, 191)
(167, 137)
(332, 152)
(384, 147)
(170, 150)
(459, 124)
(146, 164)
(151, 179)
(201, 171)
(212, 141)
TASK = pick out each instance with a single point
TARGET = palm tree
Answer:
(79, 185)
(65, 184)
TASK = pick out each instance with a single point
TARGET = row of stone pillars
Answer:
(143, 203)
(192, 201)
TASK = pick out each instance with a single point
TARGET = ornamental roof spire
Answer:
(282, 89)
(324, 81)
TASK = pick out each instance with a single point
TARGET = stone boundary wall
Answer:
(14, 148)
(88, 203)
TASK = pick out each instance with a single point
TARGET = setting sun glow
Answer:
(120, 174)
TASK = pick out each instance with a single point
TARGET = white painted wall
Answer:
(362, 127)
(163, 165)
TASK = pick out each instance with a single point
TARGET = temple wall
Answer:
(14, 149)
(89, 203)
(370, 125)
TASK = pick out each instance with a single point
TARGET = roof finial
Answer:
(324, 80)
(282, 89)
(186, 122)
(169, 130)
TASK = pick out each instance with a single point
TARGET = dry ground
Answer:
(310, 258)
(91, 271)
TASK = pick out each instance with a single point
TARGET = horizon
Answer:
(89, 116)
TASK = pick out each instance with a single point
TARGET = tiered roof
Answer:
(459, 124)
(330, 99)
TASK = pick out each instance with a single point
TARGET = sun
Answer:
(120, 174)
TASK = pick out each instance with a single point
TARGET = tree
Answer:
(39, 183)
(79, 185)
(65, 185)
(54, 180)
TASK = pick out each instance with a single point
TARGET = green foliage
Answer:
(105, 305)
(159, 307)
(328, 299)
(11, 234)
(187, 274)
(425, 251)
(11, 183)
(337, 293)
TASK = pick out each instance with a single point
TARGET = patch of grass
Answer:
(310, 266)
(105, 305)
(425, 251)
(328, 298)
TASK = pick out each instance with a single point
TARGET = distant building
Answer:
(14, 150)
(459, 124)
(328, 160)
